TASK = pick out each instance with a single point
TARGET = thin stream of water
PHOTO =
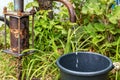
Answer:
(77, 60)
(75, 36)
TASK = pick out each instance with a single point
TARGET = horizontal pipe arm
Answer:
(2, 19)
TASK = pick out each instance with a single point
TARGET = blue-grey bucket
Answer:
(84, 66)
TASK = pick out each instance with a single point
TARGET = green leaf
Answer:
(84, 10)
(99, 27)
(89, 28)
(59, 27)
(64, 31)
(115, 15)
(97, 39)
(113, 19)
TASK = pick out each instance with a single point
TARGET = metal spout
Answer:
(19, 5)
(47, 4)
(70, 9)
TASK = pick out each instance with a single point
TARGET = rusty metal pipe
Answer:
(19, 31)
(70, 9)
(19, 5)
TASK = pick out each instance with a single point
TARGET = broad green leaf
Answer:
(99, 26)
(84, 10)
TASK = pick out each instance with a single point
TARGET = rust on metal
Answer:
(15, 49)
(23, 24)
(19, 27)
(5, 10)
(19, 13)
(16, 33)
(19, 33)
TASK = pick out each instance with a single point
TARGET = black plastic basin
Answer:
(84, 66)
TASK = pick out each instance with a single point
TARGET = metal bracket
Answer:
(19, 55)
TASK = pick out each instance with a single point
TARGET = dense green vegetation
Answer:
(97, 29)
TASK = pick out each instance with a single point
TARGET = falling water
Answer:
(75, 40)
(77, 60)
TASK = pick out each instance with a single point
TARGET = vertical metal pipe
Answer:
(19, 47)
(21, 27)
(19, 5)
(19, 68)
(5, 33)
(33, 30)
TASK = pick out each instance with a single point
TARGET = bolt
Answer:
(19, 13)
(5, 10)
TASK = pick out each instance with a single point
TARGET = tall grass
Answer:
(116, 58)
(7, 67)
(42, 65)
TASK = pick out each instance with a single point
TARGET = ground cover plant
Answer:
(97, 29)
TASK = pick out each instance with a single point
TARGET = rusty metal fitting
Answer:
(5, 10)
(19, 13)
(16, 33)
(14, 49)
